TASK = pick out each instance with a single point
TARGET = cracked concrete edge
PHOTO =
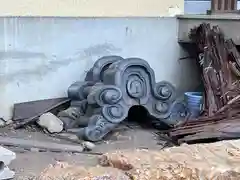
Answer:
(6, 156)
(6, 173)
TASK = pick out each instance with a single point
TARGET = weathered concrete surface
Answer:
(123, 138)
(29, 144)
(41, 57)
(6, 156)
(229, 24)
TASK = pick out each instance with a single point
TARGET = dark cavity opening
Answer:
(139, 115)
(1, 166)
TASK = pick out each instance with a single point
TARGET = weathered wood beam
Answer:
(49, 146)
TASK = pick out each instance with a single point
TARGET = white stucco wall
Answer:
(41, 57)
(91, 8)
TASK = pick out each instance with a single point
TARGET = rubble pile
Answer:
(196, 162)
(63, 170)
(219, 62)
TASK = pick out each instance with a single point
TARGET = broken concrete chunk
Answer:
(88, 145)
(8, 122)
(33, 149)
(51, 122)
(6, 173)
(2, 122)
(6, 156)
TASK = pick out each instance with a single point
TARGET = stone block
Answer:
(51, 122)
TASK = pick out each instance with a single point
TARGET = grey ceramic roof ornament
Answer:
(111, 87)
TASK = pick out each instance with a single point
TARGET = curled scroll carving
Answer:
(104, 94)
(111, 87)
(164, 91)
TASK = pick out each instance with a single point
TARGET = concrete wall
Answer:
(90, 8)
(41, 57)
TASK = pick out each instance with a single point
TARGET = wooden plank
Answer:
(209, 135)
(225, 126)
(30, 109)
(51, 109)
(56, 147)
(205, 136)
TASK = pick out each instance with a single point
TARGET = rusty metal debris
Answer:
(220, 66)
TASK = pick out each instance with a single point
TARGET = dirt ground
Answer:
(29, 163)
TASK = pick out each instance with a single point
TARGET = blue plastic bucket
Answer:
(194, 103)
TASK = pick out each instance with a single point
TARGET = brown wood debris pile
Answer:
(219, 61)
(218, 161)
